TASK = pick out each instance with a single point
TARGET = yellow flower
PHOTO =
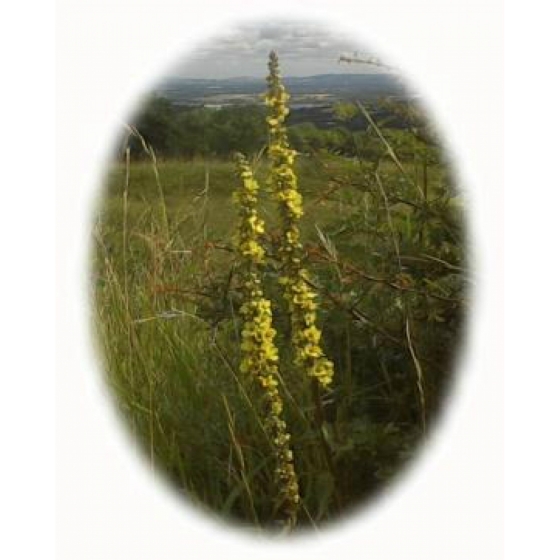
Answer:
(256, 224)
(301, 299)
(259, 352)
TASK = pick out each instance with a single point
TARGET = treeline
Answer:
(189, 132)
(178, 132)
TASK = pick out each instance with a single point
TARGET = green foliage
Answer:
(157, 124)
(383, 239)
(198, 131)
(175, 131)
(345, 111)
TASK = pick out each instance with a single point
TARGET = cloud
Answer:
(304, 48)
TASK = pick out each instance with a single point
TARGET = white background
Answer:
(109, 507)
(450, 505)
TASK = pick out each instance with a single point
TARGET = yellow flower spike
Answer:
(259, 352)
(300, 297)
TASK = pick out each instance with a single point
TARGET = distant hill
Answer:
(307, 90)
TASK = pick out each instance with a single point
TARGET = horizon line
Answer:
(289, 76)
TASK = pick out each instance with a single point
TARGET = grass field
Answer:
(387, 258)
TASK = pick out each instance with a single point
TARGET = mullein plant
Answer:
(301, 298)
(258, 349)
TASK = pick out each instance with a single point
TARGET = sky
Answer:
(304, 49)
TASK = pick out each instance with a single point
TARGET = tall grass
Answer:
(388, 264)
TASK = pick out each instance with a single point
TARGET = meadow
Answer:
(383, 239)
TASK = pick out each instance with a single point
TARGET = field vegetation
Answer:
(383, 241)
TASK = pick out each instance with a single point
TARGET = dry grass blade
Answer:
(149, 150)
(239, 453)
(419, 375)
(390, 151)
